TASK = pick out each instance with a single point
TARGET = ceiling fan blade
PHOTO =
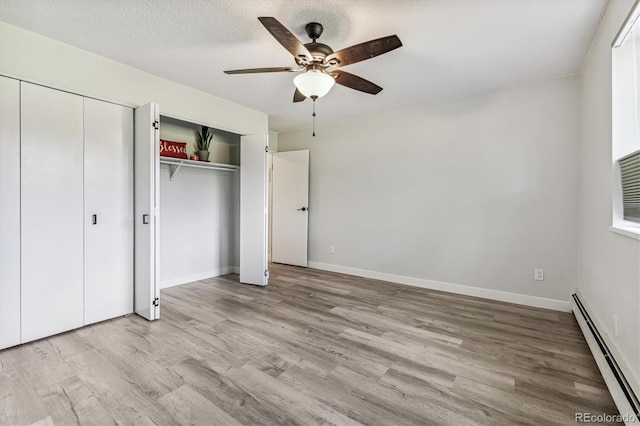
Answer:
(298, 96)
(257, 70)
(285, 37)
(352, 81)
(366, 50)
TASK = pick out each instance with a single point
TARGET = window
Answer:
(625, 57)
(630, 182)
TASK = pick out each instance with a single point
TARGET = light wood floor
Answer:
(311, 348)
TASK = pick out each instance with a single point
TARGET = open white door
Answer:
(253, 210)
(290, 207)
(146, 199)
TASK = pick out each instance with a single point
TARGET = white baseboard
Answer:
(201, 276)
(503, 296)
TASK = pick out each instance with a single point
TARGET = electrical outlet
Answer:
(615, 324)
(538, 274)
(332, 249)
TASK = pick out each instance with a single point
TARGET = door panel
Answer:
(290, 207)
(253, 209)
(52, 204)
(146, 201)
(108, 212)
(9, 212)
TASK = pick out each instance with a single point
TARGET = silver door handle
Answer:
(303, 209)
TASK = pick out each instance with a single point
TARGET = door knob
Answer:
(303, 209)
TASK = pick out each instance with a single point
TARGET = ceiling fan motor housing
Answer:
(314, 30)
(319, 51)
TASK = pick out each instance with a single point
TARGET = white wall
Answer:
(199, 230)
(609, 272)
(224, 148)
(199, 235)
(476, 192)
(30, 56)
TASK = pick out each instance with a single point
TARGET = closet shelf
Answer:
(176, 163)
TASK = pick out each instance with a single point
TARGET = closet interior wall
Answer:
(200, 209)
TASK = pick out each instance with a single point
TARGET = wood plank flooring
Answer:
(311, 348)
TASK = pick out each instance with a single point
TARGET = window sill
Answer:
(626, 231)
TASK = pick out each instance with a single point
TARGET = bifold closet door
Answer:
(108, 210)
(9, 212)
(146, 205)
(51, 203)
(253, 210)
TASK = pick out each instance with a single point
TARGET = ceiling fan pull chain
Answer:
(314, 118)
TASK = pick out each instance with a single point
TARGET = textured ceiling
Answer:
(451, 48)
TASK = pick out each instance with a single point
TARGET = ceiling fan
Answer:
(321, 65)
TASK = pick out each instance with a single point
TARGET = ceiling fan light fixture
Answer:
(314, 83)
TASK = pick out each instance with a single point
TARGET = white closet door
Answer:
(51, 201)
(290, 207)
(108, 210)
(147, 195)
(9, 212)
(253, 210)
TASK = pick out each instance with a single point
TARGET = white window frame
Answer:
(623, 143)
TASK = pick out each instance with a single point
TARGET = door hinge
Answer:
(266, 273)
(266, 149)
(156, 302)
(155, 125)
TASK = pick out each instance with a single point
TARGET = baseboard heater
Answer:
(617, 372)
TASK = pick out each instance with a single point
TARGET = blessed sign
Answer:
(173, 149)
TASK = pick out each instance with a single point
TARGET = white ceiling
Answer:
(451, 48)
